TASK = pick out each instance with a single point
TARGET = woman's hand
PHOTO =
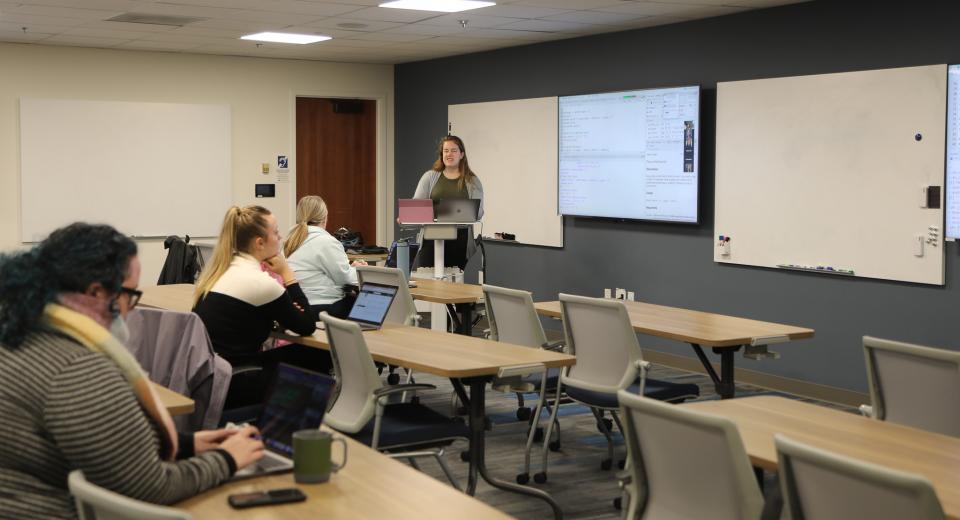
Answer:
(355, 263)
(244, 446)
(210, 439)
(278, 264)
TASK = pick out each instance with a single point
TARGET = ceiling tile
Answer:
(109, 5)
(388, 37)
(368, 25)
(520, 11)
(569, 4)
(83, 41)
(545, 26)
(393, 15)
(19, 37)
(426, 30)
(32, 19)
(125, 26)
(671, 9)
(63, 12)
(105, 33)
(268, 17)
(595, 17)
(151, 45)
(473, 20)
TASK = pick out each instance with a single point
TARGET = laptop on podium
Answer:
(457, 210)
(415, 211)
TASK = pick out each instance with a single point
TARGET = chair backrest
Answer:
(402, 311)
(512, 317)
(599, 333)
(914, 385)
(819, 484)
(96, 503)
(356, 374)
(691, 464)
(175, 350)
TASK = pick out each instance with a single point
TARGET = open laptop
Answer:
(415, 211)
(373, 302)
(296, 401)
(457, 210)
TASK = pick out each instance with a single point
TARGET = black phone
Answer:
(265, 498)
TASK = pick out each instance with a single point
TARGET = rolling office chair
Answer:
(913, 385)
(403, 310)
(609, 359)
(513, 319)
(402, 430)
(817, 484)
(667, 444)
(96, 503)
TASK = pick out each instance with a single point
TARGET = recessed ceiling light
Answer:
(444, 6)
(276, 37)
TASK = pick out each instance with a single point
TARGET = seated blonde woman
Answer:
(319, 261)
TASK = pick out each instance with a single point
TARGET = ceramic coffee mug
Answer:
(312, 462)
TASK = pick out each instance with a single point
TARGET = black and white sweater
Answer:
(64, 407)
(242, 306)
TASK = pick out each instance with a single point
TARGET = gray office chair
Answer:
(913, 385)
(686, 464)
(820, 485)
(609, 359)
(513, 319)
(360, 410)
(96, 503)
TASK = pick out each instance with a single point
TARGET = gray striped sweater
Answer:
(63, 407)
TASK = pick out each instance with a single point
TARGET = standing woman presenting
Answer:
(450, 178)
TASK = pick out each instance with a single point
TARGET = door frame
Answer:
(384, 195)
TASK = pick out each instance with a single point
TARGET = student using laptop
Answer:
(72, 396)
(319, 261)
(450, 178)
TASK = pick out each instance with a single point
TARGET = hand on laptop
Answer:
(244, 445)
(358, 262)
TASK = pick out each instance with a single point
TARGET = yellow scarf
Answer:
(90, 334)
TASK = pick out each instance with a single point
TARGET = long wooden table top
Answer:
(935, 456)
(440, 291)
(175, 403)
(441, 353)
(371, 485)
(174, 297)
(703, 328)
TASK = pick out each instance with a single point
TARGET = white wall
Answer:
(261, 93)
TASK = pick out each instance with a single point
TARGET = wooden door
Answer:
(336, 159)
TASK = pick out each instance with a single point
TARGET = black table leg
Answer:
(466, 318)
(478, 450)
(724, 383)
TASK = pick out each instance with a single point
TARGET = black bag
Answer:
(349, 239)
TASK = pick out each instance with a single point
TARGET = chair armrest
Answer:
(866, 410)
(555, 346)
(389, 390)
(246, 369)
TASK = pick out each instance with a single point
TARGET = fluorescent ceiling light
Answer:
(444, 6)
(285, 38)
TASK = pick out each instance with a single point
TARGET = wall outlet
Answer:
(607, 294)
(621, 294)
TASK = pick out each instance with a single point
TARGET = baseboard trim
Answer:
(806, 389)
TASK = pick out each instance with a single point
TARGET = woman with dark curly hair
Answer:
(72, 396)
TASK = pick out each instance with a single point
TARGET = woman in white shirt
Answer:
(319, 261)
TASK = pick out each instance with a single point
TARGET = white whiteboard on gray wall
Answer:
(827, 172)
(148, 169)
(512, 146)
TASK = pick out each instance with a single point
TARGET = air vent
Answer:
(154, 19)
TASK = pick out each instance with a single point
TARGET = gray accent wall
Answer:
(673, 264)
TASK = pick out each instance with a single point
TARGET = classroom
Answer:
(666, 264)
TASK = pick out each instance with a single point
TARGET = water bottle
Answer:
(403, 257)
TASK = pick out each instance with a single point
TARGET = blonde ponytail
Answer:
(240, 227)
(311, 211)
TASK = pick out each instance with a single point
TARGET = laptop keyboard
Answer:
(269, 463)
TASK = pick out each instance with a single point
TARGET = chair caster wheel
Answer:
(523, 414)
(622, 463)
(554, 446)
(393, 379)
(540, 478)
(523, 478)
(618, 503)
(465, 456)
(538, 435)
(606, 464)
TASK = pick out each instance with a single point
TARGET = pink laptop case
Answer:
(414, 211)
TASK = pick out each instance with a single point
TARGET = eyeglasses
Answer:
(133, 294)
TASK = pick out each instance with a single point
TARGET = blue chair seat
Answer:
(412, 425)
(654, 389)
(553, 375)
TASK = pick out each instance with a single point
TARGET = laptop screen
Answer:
(373, 302)
(297, 401)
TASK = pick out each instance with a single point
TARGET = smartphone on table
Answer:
(265, 498)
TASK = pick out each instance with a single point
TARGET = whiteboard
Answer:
(826, 172)
(512, 147)
(148, 169)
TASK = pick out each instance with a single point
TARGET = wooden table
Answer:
(369, 258)
(724, 334)
(175, 403)
(465, 360)
(371, 485)
(460, 297)
(935, 456)
(174, 297)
